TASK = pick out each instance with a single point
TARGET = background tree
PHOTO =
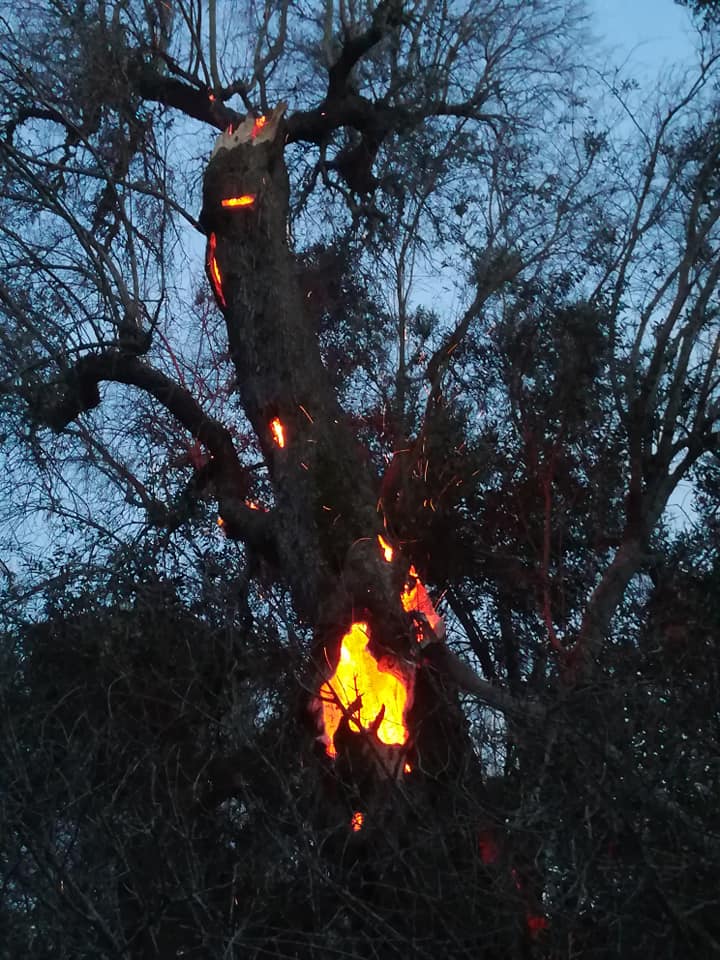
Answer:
(515, 439)
(705, 9)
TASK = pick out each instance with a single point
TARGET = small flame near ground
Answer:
(257, 126)
(536, 924)
(278, 431)
(356, 821)
(374, 695)
(246, 200)
(489, 848)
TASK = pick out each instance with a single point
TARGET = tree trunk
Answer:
(326, 524)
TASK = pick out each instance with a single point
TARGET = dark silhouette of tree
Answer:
(707, 10)
(512, 446)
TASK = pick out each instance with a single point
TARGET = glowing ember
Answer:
(367, 691)
(246, 200)
(489, 849)
(415, 599)
(257, 126)
(255, 505)
(220, 522)
(536, 924)
(356, 822)
(407, 768)
(278, 432)
(214, 270)
(385, 547)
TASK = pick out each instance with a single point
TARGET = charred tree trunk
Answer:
(326, 525)
(324, 491)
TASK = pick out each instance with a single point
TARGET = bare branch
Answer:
(78, 393)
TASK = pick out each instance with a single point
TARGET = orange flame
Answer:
(278, 431)
(257, 126)
(415, 599)
(367, 691)
(407, 768)
(246, 200)
(386, 548)
(356, 822)
(214, 270)
(220, 522)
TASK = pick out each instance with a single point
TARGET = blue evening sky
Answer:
(652, 33)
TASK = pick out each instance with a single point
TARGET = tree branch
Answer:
(502, 267)
(78, 392)
(463, 676)
(192, 101)
(386, 14)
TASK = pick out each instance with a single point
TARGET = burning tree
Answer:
(441, 511)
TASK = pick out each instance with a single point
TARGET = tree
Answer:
(189, 775)
(706, 9)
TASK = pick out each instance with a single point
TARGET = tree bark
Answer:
(325, 492)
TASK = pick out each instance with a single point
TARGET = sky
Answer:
(653, 34)
(648, 36)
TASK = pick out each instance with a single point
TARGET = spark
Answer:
(278, 432)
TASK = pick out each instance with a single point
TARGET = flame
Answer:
(386, 548)
(214, 270)
(278, 431)
(407, 768)
(374, 695)
(367, 691)
(356, 821)
(415, 599)
(220, 522)
(246, 200)
(257, 126)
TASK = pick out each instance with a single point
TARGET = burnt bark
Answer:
(324, 489)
